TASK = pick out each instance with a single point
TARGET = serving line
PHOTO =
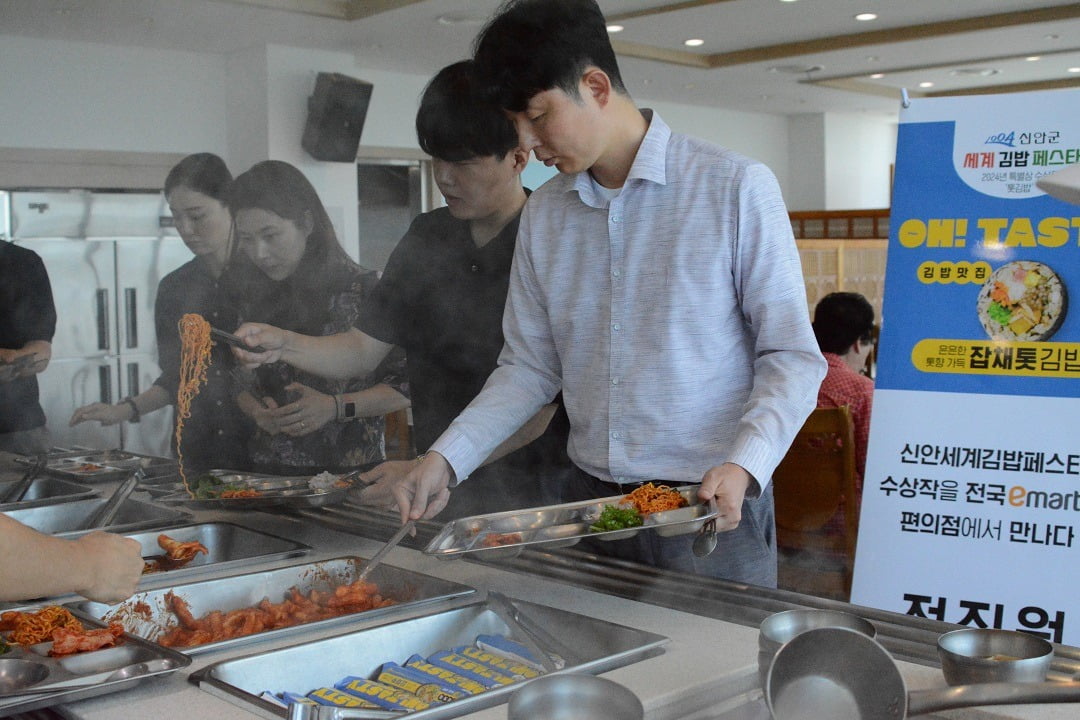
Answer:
(692, 680)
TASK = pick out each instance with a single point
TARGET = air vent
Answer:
(795, 69)
(974, 72)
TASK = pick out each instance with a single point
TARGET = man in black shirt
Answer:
(27, 324)
(441, 298)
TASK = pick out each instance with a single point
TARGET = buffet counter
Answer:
(706, 671)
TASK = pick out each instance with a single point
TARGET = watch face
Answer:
(350, 409)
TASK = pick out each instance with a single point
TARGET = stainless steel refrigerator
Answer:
(105, 253)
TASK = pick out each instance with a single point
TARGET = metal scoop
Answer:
(841, 674)
(125, 673)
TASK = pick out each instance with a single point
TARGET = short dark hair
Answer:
(204, 173)
(457, 120)
(530, 46)
(840, 319)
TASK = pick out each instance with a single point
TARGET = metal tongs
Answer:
(552, 654)
(304, 711)
(390, 544)
(17, 490)
(105, 514)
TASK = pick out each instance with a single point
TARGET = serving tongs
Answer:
(305, 711)
(105, 514)
(17, 490)
(390, 544)
(552, 654)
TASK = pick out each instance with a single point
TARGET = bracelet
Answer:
(338, 407)
(134, 409)
(420, 458)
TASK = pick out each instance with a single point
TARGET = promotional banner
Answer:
(971, 500)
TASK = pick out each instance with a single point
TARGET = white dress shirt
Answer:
(673, 317)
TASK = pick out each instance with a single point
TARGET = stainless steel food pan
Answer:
(47, 490)
(65, 679)
(147, 614)
(66, 519)
(599, 646)
(227, 545)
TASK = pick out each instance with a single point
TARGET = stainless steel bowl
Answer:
(980, 655)
(778, 629)
(572, 697)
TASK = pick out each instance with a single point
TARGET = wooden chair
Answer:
(813, 481)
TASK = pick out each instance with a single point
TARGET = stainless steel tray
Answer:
(227, 545)
(23, 668)
(147, 613)
(274, 491)
(102, 465)
(559, 526)
(47, 490)
(65, 519)
(599, 646)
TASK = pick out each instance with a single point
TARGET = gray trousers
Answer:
(746, 554)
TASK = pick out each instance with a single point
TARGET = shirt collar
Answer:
(650, 162)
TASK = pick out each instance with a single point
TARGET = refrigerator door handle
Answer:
(101, 307)
(105, 383)
(130, 318)
(133, 379)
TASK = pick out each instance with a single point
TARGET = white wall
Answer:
(76, 95)
(858, 153)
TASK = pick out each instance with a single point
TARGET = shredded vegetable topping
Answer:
(195, 347)
(651, 498)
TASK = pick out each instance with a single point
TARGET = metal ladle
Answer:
(841, 674)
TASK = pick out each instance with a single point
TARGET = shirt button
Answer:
(219, 403)
(616, 218)
(475, 268)
(620, 479)
(616, 273)
(220, 432)
(615, 435)
(614, 381)
(615, 327)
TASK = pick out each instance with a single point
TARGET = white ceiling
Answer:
(758, 55)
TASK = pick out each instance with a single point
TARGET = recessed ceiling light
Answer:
(1074, 69)
(1052, 36)
(1033, 58)
(452, 20)
(877, 76)
(872, 58)
(788, 0)
(694, 42)
(866, 17)
(615, 28)
(926, 84)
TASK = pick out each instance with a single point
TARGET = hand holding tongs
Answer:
(15, 492)
(105, 514)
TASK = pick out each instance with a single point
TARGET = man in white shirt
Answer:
(655, 283)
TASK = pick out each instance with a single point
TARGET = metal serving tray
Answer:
(102, 465)
(23, 668)
(559, 526)
(147, 613)
(274, 491)
(599, 646)
(46, 490)
(66, 519)
(228, 545)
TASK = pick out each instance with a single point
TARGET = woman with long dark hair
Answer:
(305, 282)
(216, 435)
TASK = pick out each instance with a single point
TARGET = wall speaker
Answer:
(336, 112)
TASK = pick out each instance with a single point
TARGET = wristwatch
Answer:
(349, 411)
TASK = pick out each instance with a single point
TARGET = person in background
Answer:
(27, 325)
(304, 282)
(656, 283)
(441, 299)
(99, 566)
(844, 326)
(217, 434)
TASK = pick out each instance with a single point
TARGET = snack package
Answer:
(429, 689)
(338, 698)
(478, 671)
(384, 696)
(516, 670)
(446, 677)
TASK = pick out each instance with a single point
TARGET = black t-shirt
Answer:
(27, 313)
(441, 298)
